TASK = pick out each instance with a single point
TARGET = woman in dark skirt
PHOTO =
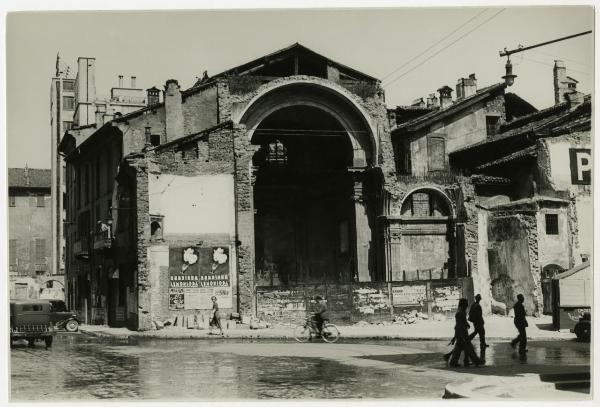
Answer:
(216, 319)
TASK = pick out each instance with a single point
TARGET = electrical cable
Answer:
(434, 44)
(551, 65)
(446, 47)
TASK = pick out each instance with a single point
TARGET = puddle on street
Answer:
(80, 367)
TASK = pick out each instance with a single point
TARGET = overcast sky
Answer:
(156, 46)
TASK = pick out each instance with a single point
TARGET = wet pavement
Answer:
(83, 367)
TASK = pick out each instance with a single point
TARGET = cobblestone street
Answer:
(83, 367)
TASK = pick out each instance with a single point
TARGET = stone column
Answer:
(244, 210)
(395, 252)
(362, 228)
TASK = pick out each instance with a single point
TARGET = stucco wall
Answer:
(513, 263)
(200, 204)
(554, 249)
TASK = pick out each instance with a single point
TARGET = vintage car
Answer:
(62, 317)
(30, 320)
(583, 328)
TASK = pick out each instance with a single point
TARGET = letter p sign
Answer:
(581, 166)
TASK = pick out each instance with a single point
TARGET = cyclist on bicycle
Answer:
(320, 314)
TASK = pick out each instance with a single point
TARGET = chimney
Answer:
(26, 173)
(574, 98)
(133, 82)
(445, 96)
(153, 96)
(173, 111)
(120, 81)
(466, 87)
(432, 101)
(563, 84)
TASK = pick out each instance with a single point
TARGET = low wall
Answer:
(371, 302)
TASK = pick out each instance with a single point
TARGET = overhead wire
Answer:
(551, 65)
(560, 57)
(446, 47)
(445, 37)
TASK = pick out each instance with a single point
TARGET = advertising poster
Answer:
(196, 274)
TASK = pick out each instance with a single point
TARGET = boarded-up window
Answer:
(41, 201)
(40, 251)
(12, 201)
(436, 152)
(12, 251)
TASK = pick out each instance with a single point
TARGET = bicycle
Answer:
(305, 332)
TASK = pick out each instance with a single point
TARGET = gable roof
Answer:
(291, 51)
(556, 119)
(434, 116)
(29, 178)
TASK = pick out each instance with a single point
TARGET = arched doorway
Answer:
(312, 193)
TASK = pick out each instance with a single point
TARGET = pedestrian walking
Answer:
(520, 323)
(476, 317)
(461, 333)
(216, 319)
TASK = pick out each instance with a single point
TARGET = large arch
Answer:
(312, 220)
(324, 95)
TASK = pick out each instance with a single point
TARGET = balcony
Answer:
(103, 239)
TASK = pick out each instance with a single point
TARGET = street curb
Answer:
(178, 335)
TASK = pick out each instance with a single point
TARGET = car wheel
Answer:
(72, 326)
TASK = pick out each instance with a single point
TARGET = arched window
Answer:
(425, 203)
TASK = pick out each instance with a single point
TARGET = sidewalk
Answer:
(497, 328)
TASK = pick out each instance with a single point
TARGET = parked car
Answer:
(62, 317)
(30, 320)
(583, 328)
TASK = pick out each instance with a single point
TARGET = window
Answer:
(97, 176)
(491, 125)
(436, 153)
(30, 307)
(12, 251)
(551, 224)
(147, 134)
(68, 86)
(109, 171)
(86, 185)
(572, 86)
(67, 126)
(68, 103)
(421, 205)
(155, 140)
(41, 201)
(40, 251)
(156, 228)
(12, 200)
(404, 159)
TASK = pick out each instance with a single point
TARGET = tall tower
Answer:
(62, 105)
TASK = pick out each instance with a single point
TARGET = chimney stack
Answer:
(153, 96)
(563, 84)
(445, 96)
(173, 110)
(466, 87)
(120, 81)
(133, 82)
(574, 98)
(432, 101)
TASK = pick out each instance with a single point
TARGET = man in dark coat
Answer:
(461, 334)
(521, 323)
(476, 317)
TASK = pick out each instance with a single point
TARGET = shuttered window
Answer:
(436, 152)
(40, 251)
(12, 251)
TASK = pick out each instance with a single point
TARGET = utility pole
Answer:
(508, 53)
(509, 78)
